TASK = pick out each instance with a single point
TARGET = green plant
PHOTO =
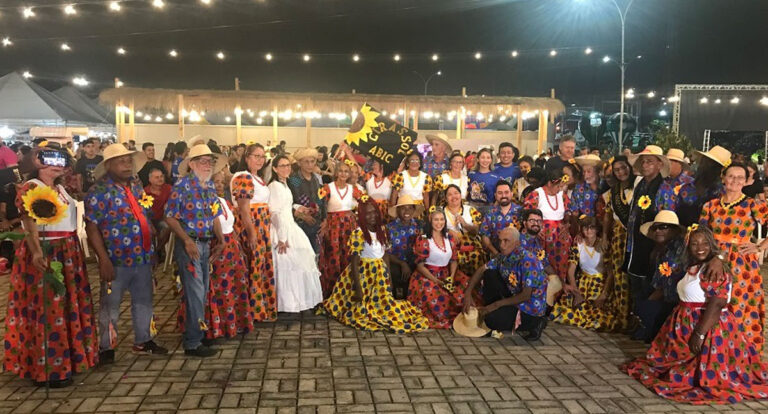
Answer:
(665, 138)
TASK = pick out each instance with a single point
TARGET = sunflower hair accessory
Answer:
(350, 162)
(565, 178)
(321, 192)
(693, 227)
(432, 209)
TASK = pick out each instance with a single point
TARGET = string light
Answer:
(396, 57)
(306, 58)
(220, 55)
(121, 51)
(435, 57)
(606, 59)
(735, 100)
(764, 100)
(147, 117)
(69, 10)
(119, 84)
(206, 2)
(159, 119)
(718, 101)
(27, 75)
(704, 100)
(65, 47)
(158, 4)
(355, 57)
(514, 53)
(80, 81)
(651, 94)
(553, 53)
(173, 53)
(7, 42)
(114, 6)
(588, 51)
(28, 13)
(673, 99)
(169, 116)
(478, 55)
(228, 119)
(268, 57)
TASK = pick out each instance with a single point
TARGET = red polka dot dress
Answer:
(732, 225)
(553, 235)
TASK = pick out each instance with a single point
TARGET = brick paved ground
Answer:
(312, 364)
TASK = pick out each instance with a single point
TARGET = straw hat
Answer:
(650, 150)
(662, 217)
(442, 138)
(119, 150)
(196, 140)
(588, 160)
(406, 200)
(678, 155)
(467, 324)
(305, 153)
(198, 151)
(554, 286)
(717, 154)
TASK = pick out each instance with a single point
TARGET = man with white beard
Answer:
(191, 213)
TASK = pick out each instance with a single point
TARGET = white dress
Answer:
(296, 273)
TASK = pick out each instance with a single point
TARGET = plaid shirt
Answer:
(195, 205)
(123, 223)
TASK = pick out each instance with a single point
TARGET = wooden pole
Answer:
(458, 123)
(520, 130)
(543, 122)
(131, 121)
(238, 117)
(274, 126)
(118, 115)
(416, 119)
(181, 116)
(308, 125)
(552, 115)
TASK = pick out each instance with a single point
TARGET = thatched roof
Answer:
(226, 101)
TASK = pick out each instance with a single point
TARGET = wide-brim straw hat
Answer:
(406, 200)
(440, 137)
(662, 217)
(119, 150)
(588, 160)
(678, 155)
(717, 154)
(650, 150)
(196, 140)
(305, 153)
(554, 286)
(200, 150)
(467, 324)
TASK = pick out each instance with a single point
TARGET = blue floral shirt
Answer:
(122, 221)
(433, 167)
(528, 270)
(530, 242)
(687, 202)
(482, 187)
(195, 205)
(402, 237)
(584, 200)
(510, 173)
(495, 221)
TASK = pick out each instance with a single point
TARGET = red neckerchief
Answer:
(145, 232)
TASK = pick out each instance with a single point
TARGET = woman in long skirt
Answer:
(463, 222)
(71, 342)
(250, 193)
(341, 200)
(379, 187)
(298, 279)
(362, 297)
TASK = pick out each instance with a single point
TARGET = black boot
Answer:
(535, 333)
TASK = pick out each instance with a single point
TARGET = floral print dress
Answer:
(732, 225)
(553, 235)
(378, 309)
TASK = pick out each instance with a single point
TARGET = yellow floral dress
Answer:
(378, 309)
(471, 254)
(617, 205)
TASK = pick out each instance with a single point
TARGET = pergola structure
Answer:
(128, 101)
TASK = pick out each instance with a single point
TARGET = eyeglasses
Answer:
(283, 165)
(204, 160)
(258, 157)
(414, 161)
(662, 227)
(530, 220)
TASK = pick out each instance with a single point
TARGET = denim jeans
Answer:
(138, 281)
(195, 279)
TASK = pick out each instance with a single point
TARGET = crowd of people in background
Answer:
(661, 246)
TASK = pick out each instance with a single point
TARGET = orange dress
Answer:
(732, 226)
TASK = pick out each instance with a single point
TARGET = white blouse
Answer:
(343, 200)
(414, 187)
(382, 192)
(546, 207)
(451, 221)
(589, 259)
(69, 222)
(438, 257)
(374, 250)
(461, 182)
(689, 288)
(227, 217)
(260, 190)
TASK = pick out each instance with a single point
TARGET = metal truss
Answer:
(679, 88)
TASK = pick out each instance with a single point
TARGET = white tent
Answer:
(24, 104)
(84, 104)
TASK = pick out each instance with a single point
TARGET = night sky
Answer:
(681, 41)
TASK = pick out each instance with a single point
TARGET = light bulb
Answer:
(27, 75)
(553, 53)
(80, 81)
(355, 58)
(158, 4)
(27, 12)
(435, 57)
(306, 58)
(65, 47)
(514, 53)
(173, 53)
(588, 51)
(220, 55)
(121, 51)
(268, 57)
(69, 10)
(396, 57)
(7, 42)
(114, 6)
(478, 55)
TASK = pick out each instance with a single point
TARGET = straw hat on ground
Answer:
(467, 324)
(717, 154)
(305, 153)
(588, 160)
(662, 217)
(442, 138)
(200, 150)
(119, 150)
(651, 150)
(406, 200)
(554, 286)
(678, 155)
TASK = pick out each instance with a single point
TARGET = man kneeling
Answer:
(513, 281)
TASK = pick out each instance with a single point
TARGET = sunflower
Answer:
(322, 193)
(364, 198)
(152, 327)
(146, 200)
(677, 189)
(350, 163)
(665, 270)
(215, 207)
(42, 204)
(541, 254)
(432, 209)
(572, 161)
(565, 178)
(203, 326)
(727, 163)
(693, 227)
(644, 202)
(512, 279)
